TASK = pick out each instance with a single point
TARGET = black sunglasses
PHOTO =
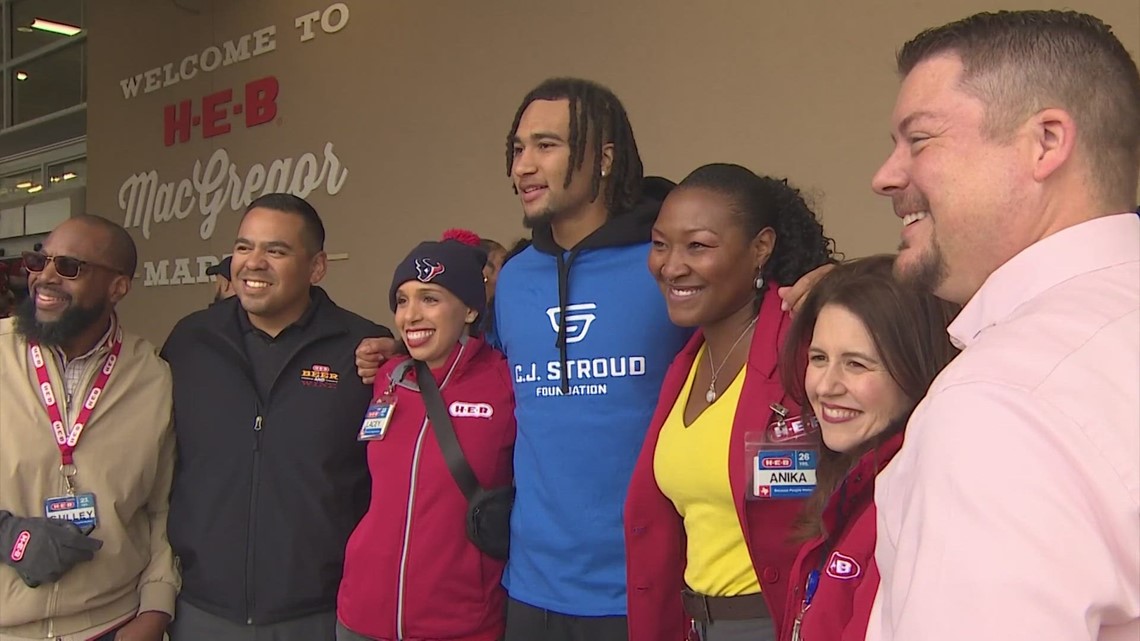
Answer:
(66, 266)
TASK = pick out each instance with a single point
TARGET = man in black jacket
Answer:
(270, 478)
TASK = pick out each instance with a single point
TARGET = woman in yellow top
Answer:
(707, 554)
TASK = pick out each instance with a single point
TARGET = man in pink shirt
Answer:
(1013, 509)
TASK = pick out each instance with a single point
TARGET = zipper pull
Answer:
(257, 433)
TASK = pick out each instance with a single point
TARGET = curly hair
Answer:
(763, 201)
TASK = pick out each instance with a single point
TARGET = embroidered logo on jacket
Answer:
(428, 269)
(319, 376)
(459, 409)
(843, 567)
(578, 320)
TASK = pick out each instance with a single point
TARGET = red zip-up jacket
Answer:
(655, 533)
(848, 576)
(410, 573)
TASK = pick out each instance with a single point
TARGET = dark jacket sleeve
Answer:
(170, 347)
(382, 331)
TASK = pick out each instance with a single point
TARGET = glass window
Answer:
(68, 173)
(21, 183)
(48, 84)
(39, 23)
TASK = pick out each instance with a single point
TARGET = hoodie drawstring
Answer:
(563, 301)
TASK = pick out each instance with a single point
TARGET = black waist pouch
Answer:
(488, 510)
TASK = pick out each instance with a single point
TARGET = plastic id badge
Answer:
(784, 474)
(78, 509)
(377, 418)
(782, 459)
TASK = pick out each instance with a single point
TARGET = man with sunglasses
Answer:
(86, 451)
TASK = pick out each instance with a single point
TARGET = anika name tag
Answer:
(784, 474)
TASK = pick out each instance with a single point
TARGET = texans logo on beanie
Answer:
(428, 269)
(454, 263)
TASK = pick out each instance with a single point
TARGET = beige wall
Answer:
(416, 98)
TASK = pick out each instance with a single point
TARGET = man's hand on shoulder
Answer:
(793, 297)
(370, 354)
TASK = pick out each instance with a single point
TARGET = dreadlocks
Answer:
(596, 113)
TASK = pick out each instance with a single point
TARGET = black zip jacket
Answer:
(266, 490)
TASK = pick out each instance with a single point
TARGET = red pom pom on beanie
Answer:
(465, 236)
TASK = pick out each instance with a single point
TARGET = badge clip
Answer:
(782, 412)
(68, 471)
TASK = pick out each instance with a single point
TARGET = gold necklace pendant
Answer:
(710, 396)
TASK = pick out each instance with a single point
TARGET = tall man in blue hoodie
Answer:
(588, 339)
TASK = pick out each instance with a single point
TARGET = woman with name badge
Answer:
(862, 351)
(707, 540)
(426, 560)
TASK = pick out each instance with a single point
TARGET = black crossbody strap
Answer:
(445, 433)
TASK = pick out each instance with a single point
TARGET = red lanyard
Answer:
(68, 440)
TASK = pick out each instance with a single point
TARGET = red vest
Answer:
(849, 578)
(655, 533)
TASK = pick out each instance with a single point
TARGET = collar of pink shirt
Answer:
(1090, 246)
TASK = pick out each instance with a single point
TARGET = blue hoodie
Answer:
(588, 340)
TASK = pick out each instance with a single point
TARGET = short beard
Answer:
(544, 219)
(74, 321)
(927, 275)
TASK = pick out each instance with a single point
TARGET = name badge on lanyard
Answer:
(377, 418)
(76, 508)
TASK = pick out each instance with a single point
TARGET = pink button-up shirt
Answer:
(1013, 509)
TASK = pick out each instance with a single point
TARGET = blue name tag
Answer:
(376, 419)
(784, 474)
(78, 509)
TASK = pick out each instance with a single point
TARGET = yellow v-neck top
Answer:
(691, 468)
